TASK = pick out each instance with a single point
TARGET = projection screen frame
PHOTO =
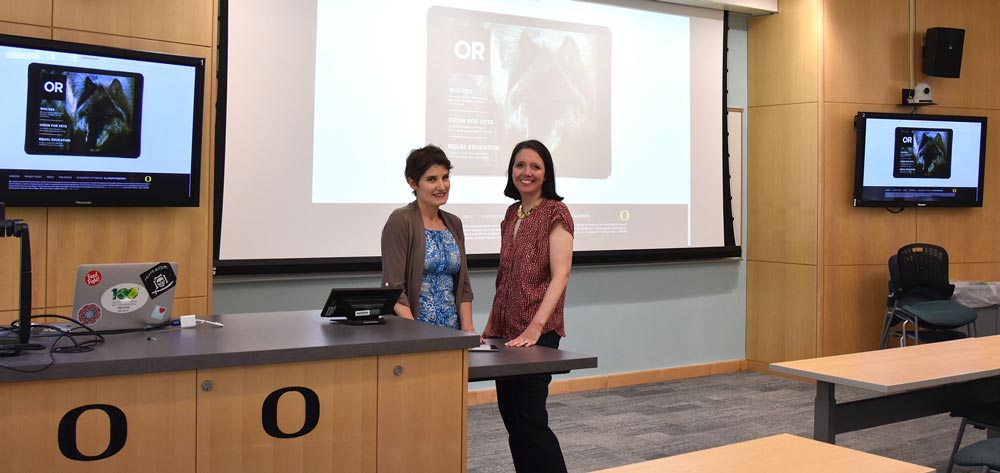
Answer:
(729, 250)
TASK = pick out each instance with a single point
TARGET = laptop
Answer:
(124, 296)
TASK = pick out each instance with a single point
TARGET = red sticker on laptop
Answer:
(89, 314)
(92, 278)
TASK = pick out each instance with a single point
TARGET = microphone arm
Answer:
(19, 229)
(24, 302)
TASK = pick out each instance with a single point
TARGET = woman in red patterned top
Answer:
(536, 254)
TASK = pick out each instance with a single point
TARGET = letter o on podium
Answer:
(269, 412)
(67, 432)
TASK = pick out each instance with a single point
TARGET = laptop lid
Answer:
(124, 296)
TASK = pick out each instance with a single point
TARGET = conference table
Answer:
(915, 381)
(775, 454)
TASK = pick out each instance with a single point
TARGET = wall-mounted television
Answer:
(910, 160)
(86, 125)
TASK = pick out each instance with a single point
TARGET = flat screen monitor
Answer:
(359, 306)
(86, 125)
(909, 160)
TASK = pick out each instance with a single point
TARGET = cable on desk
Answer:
(78, 346)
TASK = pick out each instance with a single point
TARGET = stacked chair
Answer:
(919, 298)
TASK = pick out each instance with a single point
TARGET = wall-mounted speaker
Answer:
(943, 52)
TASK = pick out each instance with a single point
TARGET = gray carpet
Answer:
(613, 427)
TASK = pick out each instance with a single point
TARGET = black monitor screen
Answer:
(98, 126)
(919, 160)
(360, 303)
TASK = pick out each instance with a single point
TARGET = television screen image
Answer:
(83, 112)
(88, 125)
(923, 153)
(905, 160)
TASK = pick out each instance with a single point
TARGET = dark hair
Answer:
(548, 185)
(421, 159)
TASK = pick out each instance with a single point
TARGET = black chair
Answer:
(983, 415)
(920, 296)
(984, 453)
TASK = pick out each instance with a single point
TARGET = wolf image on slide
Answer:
(545, 89)
(99, 110)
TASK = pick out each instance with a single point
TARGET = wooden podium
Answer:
(268, 392)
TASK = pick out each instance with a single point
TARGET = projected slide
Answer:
(496, 80)
(634, 123)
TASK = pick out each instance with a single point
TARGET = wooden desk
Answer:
(778, 453)
(283, 391)
(918, 381)
(509, 362)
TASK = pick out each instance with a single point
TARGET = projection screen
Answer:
(322, 100)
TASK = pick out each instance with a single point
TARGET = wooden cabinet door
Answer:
(421, 412)
(143, 422)
(317, 416)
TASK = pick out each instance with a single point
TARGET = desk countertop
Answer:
(777, 453)
(246, 339)
(519, 361)
(902, 369)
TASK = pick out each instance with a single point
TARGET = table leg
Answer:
(823, 420)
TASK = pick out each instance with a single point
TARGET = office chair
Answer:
(982, 415)
(984, 453)
(920, 296)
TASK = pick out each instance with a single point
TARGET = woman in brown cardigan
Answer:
(423, 248)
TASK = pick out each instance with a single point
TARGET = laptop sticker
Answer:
(158, 279)
(93, 278)
(89, 314)
(124, 298)
(159, 312)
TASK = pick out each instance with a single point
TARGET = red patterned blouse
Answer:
(524, 273)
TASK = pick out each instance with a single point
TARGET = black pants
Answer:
(521, 400)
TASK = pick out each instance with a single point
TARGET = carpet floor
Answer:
(614, 427)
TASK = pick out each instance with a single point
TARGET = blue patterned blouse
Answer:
(442, 262)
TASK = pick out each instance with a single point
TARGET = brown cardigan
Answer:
(403, 245)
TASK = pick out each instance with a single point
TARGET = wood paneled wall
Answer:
(782, 180)
(860, 61)
(63, 238)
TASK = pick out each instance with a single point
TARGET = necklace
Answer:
(521, 213)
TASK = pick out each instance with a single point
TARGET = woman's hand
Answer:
(489, 324)
(473, 330)
(528, 337)
(403, 311)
